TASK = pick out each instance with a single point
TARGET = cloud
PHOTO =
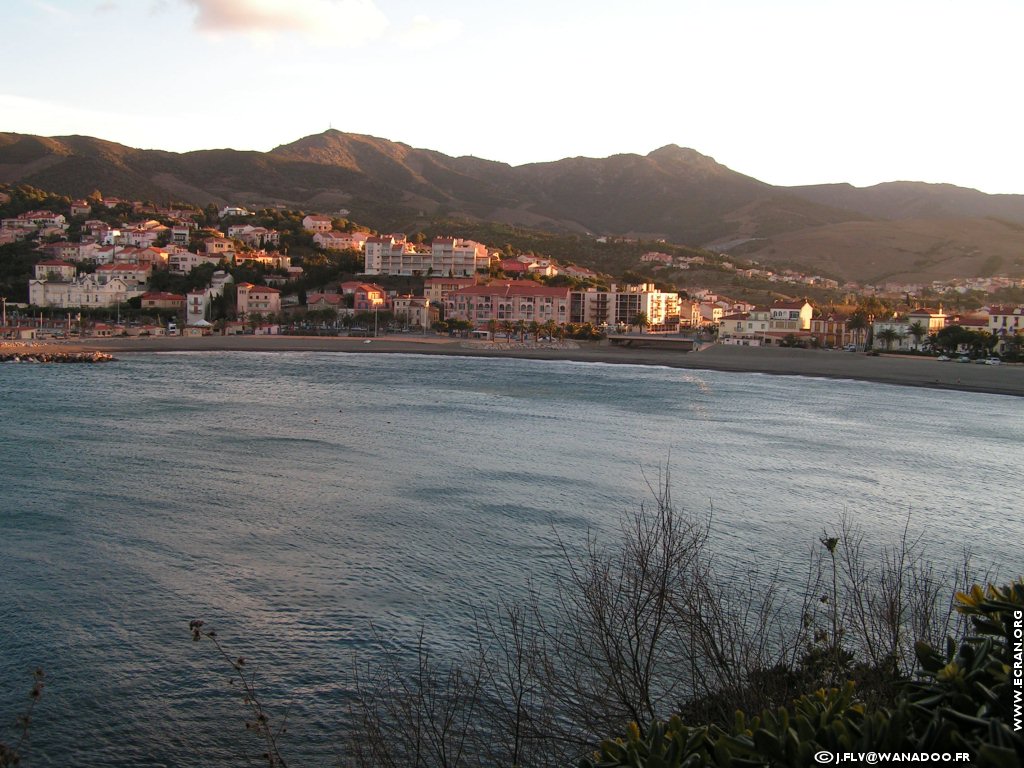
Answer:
(106, 7)
(339, 22)
(53, 11)
(423, 32)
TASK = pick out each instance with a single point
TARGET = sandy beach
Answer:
(888, 369)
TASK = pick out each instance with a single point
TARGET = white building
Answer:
(84, 291)
(394, 255)
(197, 303)
(621, 304)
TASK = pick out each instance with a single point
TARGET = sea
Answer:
(321, 511)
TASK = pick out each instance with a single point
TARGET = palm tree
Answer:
(888, 335)
(918, 331)
(508, 328)
(492, 328)
(521, 329)
(534, 328)
(857, 323)
(640, 321)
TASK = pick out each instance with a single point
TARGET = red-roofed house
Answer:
(80, 208)
(365, 296)
(260, 299)
(162, 300)
(316, 223)
(513, 267)
(332, 301)
(830, 330)
(55, 269)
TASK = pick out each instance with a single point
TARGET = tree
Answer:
(918, 331)
(887, 336)
(858, 323)
(640, 321)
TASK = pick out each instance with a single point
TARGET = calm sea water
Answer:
(315, 506)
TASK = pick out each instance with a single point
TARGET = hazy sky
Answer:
(787, 91)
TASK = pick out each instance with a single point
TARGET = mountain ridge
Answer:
(674, 193)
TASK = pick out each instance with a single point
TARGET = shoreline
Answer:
(831, 364)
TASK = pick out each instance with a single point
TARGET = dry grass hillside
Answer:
(907, 250)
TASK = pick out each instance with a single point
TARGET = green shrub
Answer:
(959, 701)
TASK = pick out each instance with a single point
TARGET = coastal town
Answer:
(106, 267)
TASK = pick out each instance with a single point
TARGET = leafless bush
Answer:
(643, 627)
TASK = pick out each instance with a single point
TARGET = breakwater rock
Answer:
(29, 356)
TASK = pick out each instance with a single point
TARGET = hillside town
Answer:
(123, 275)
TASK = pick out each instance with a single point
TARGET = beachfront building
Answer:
(510, 300)
(1006, 322)
(414, 311)
(257, 299)
(85, 291)
(791, 315)
(437, 288)
(746, 329)
(335, 302)
(891, 334)
(931, 320)
(831, 330)
(621, 304)
(782, 322)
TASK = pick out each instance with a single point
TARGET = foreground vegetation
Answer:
(652, 638)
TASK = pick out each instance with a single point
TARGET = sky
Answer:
(787, 91)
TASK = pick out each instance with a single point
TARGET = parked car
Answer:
(993, 361)
(963, 359)
(943, 358)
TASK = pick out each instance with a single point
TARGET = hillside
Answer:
(672, 193)
(907, 250)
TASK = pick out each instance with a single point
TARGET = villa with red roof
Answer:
(260, 299)
(163, 300)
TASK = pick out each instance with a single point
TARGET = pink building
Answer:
(365, 296)
(512, 300)
(260, 299)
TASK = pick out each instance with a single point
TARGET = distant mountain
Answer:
(915, 200)
(672, 193)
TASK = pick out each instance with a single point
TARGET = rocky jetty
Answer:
(30, 356)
